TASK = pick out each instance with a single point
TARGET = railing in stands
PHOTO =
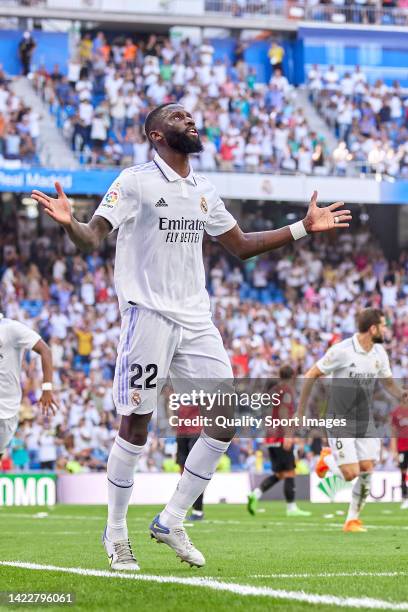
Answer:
(372, 14)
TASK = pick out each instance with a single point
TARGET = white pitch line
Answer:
(332, 575)
(230, 587)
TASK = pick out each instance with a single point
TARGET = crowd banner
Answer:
(28, 489)
(152, 488)
(385, 487)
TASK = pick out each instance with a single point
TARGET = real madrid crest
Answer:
(135, 398)
(204, 205)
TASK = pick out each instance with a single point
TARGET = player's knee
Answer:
(366, 466)
(286, 474)
(350, 472)
(133, 428)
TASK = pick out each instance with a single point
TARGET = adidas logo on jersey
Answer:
(161, 202)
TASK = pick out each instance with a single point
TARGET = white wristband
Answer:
(297, 230)
(47, 386)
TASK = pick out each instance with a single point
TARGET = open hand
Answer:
(326, 218)
(48, 403)
(58, 208)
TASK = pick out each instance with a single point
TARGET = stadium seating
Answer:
(19, 128)
(246, 123)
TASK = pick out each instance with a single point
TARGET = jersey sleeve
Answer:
(220, 220)
(332, 360)
(120, 201)
(23, 336)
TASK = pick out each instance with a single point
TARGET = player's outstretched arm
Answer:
(47, 401)
(86, 236)
(246, 245)
(394, 389)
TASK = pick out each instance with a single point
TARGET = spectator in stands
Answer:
(276, 54)
(26, 49)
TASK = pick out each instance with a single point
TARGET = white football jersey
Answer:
(161, 219)
(15, 338)
(354, 374)
(348, 360)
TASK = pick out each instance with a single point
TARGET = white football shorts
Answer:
(153, 348)
(354, 450)
(7, 430)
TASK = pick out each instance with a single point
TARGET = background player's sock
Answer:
(332, 465)
(121, 468)
(404, 487)
(359, 494)
(198, 470)
(198, 504)
(289, 492)
(266, 484)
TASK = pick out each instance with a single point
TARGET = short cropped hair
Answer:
(368, 317)
(286, 372)
(153, 118)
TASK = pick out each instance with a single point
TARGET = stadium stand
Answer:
(19, 128)
(370, 120)
(246, 124)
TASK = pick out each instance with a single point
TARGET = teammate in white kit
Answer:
(359, 361)
(15, 338)
(162, 209)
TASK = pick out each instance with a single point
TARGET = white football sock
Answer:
(359, 494)
(292, 506)
(121, 468)
(257, 492)
(198, 470)
(332, 465)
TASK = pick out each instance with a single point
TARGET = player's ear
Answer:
(156, 137)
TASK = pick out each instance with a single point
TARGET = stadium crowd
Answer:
(284, 307)
(19, 127)
(245, 124)
(370, 120)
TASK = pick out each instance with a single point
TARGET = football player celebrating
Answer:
(162, 209)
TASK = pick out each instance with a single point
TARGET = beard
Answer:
(378, 339)
(183, 142)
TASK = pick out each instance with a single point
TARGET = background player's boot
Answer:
(322, 468)
(252, 504)
(404, 505)
(295, 511)
(178, 540)
(196, 515)
(120, 554)
(354, 526)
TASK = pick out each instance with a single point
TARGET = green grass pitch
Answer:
(312, 553)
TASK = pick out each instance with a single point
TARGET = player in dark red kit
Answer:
(399, 446)
(280, 446)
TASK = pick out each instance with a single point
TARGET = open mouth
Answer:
(192, 131)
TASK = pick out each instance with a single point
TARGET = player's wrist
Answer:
(298, 230)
